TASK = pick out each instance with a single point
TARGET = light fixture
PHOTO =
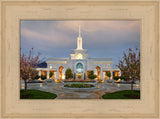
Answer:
(50, 66)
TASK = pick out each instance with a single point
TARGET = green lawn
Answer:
(122, 95)
(36, 94)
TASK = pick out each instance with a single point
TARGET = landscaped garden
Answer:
(87, 81)
(36, 94)
(129, 79)
(125, 94)
(79, 85)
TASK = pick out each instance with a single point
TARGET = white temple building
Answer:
(80, 63)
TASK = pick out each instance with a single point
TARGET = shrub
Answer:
(68, 74)
(43, 77)
(123, 77)
(108, 74)
(37, 77)
(116, 77)
(91, 75)
(119, 77)
(50, 74)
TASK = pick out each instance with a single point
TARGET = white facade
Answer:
(80, 64)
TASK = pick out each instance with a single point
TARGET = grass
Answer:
(36, 94)
(79, 85)
(125, 94)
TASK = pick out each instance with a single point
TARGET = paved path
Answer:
(64, 93)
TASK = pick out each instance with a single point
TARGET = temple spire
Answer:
(79, 40)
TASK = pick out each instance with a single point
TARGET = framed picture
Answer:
(97, 59)
(90, 71)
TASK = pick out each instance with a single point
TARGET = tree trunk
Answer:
(132, 87)
(25, 88)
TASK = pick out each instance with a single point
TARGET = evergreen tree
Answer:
(108, 74)
(68, 74)
(91, 75)
(50, 74)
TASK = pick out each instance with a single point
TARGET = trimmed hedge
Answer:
(119, 77)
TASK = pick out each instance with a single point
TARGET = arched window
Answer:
(79, 68)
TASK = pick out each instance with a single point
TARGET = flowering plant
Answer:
(28, 65)
(130, 65)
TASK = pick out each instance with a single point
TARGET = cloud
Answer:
(52, 37)
(58, 32)
(101, 38)
(100, 31)
(93, 26)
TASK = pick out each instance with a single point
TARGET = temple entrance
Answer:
(60, 72)
(98, 73)
(79, 71)
(79, 75)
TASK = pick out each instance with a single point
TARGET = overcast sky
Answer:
(102, 38)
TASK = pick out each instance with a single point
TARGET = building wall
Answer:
(88, 65)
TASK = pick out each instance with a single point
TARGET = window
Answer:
(79, 68)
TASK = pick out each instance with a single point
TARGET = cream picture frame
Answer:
(12, 11)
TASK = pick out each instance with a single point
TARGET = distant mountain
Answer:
(42, 65)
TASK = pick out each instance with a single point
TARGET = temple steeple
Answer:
(79, 40)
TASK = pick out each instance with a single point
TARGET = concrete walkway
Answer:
(64, 93)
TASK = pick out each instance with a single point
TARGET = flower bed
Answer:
(92, 81)
(35, 81)
(79, 85)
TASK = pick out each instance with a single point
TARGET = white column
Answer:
(104, 75)
(63, 74)
(48, 74)
(39, 72)
(101, 74)
(86, 71)
(119, 73)
(111, 74)
(83, 73)
(95, 72)
(55, 75)
(75, 75)
(83, 76)
(86, 75)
